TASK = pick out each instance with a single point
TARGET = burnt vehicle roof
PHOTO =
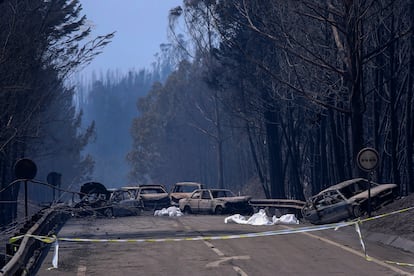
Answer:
(375, 190)
(144, 186)
(118, 189)
(189, 184)
(93, 187)
(213, 190)
(152, 186)
(344, 184)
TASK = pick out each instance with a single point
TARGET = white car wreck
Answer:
(215, 201)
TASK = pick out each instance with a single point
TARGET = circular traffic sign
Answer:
(367, 159)
(53, 178)
(25, 169)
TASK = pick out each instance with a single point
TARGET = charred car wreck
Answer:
(94, 199)
(347, 200)
(215, 201)
(97, 200)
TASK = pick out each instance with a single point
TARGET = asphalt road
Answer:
(326, 252)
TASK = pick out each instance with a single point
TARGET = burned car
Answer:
(93, 199)
(152, 197)
(216, 201)
(347, 200)
(122, 202)
(97, 200)
(182, 190)
(93, 191)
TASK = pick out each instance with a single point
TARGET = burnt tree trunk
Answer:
(277, 186)
(393, 107)
(409, 129)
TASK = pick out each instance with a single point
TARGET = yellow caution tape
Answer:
(226, 237)
(358, 230)
(335, 226)
(388, 214)
(47, 239)
(44, 239)
(400, 264)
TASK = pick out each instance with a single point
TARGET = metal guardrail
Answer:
(27, 253)
(277, 203)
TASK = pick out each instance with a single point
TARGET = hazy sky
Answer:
(140, 25)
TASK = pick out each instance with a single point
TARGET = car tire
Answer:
(138, 212)
(356, 211)
(219, 210)
(187, 210)
(109, 212)
(374, 204)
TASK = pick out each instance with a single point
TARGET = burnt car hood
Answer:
(154, 196)
(374, 191)
(180, 195)
(234, 199)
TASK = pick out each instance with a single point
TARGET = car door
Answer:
(194, 201)
(334, 208)
(205, 202)
(115, 200)
(128, 204)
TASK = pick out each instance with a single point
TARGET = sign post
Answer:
(367, 160)
(25, 169)
(54, 179)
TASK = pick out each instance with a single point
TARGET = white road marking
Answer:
(218, 252)
(226, 259)
(239, 271)
(350, 250)
(81, 270)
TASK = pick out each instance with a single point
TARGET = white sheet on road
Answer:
(260, 218)
(170, 211)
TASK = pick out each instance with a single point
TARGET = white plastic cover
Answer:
(260, 218)
(170, 211)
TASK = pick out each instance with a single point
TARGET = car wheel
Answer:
(137, 212)
(374, 204)
(356, 211)
(109, 212)
(187, 210)
(218, 210)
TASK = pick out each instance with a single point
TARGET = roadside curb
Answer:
(391, 240)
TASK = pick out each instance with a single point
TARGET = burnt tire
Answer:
(139, 211)
(109, 212)
(219, 210)
(375, 204)
(357, 211)
(187, 210)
